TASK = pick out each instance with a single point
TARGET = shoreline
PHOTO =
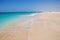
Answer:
(39, 30)
(21, 20)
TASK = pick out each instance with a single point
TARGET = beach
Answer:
(42, 26)
(47, 27)
(18, 29)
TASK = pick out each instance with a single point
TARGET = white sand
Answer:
(46, 27)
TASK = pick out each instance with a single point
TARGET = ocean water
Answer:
(9, 16)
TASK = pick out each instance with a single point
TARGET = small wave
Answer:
(33, 14)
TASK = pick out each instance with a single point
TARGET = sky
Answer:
(29, 5)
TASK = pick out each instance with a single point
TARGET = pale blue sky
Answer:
(29, 5)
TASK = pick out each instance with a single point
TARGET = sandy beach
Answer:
(47, 27)
(43, 26)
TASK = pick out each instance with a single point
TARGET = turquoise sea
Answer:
(8, 16)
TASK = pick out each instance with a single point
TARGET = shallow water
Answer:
(6, 17)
